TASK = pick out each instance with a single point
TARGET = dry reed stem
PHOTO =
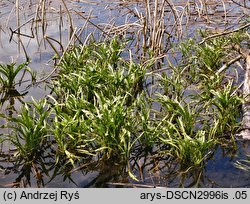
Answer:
(224, 33)
(245, 131)
(36, 20)
(155, 22)
(237, 3)
(60, 24)
(204, 2)
(177, 24)
(83, 27)
(49, 39)
(225, 11)
(226, 65)
(18, 23)
(71, 25)
(56, 67)
(93, 24)
(43, 17)
(23, 24)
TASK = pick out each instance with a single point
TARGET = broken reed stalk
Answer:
(44, 17)
(18, 23)
(204, 2)
(60, 24)
(244, 4)
(49, 39)
(36, 20)
(87, 19)
(155, 25)
(17, 30)
(70, 20)
(225, 11)
(227, 64)
(181, 20)
(177, 24)
(160, 31)
(56, 67)
(245, 132)
(224, 33)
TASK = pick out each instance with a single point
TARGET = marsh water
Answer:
(22, 34)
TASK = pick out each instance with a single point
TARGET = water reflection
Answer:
(9, 98)
(151, 171)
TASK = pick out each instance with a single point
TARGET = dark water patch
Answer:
(222, 170)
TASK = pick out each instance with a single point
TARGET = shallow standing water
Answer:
(219, 171)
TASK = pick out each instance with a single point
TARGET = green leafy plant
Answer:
(30, 130)
(97, 97)
(243, 164)
(108, 107)
(9, 72)
(191, 152)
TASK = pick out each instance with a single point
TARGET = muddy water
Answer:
(22, 34)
